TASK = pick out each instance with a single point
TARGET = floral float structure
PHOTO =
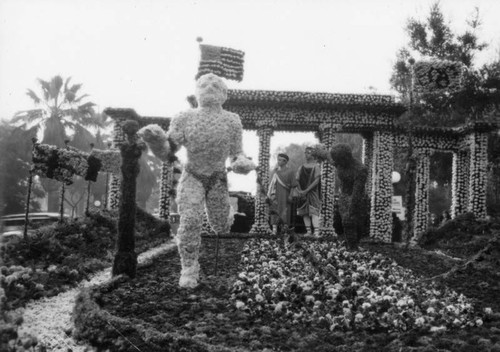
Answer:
(326, 114)
(372, 116)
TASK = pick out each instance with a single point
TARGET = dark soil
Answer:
(208, 314)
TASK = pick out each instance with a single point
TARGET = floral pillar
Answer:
(422, 180)
(367, 159)
(115, 180)
(381, 188)
(478, 174)
(327, 138)
(459, 183)
(165, 190)
(264, 132)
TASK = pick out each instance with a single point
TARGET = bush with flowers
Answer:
(323, 284)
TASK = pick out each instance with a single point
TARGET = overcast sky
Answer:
(144, 55)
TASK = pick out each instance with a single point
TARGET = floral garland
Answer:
(478, 174)
(261, 224)
(438, 76)
(381, 196)
(320, 152)
(421, 213)
(459, 182)
(299, 118)
(367, 159)
(165, 189)
(301, 98)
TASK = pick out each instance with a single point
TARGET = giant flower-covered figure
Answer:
(210, 135)
(352, 175)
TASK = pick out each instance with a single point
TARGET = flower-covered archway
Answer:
(326, 114)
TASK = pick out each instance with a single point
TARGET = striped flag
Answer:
(224, 62)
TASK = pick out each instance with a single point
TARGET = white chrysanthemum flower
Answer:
(240, 305)
(309, 298)
(437, 329)
(279, 307)
(420, 321)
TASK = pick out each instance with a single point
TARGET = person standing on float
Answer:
(309, 191)
(282, 181)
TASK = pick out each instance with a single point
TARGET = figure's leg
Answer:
(315, 223)
(190, 199)
(219, 211)
(307, 223)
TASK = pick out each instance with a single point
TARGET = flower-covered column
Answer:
(422, 180)
(478, 174)
(115, 180)
(165, 190)
(265, 132)
(381, 189)
(327, 138)
(367, 158)
(459, 183)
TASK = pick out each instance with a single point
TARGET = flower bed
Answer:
(312, 295)
(61, 255)
(320, 283)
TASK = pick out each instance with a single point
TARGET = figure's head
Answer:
(341, 155)
(308, 151)
(210, 90)
(282, 159)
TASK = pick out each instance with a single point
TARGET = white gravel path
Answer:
(49, 319)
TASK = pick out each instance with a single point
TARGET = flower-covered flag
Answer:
(438, 76)
(221, 61)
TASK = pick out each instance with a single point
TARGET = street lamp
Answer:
(396, 177)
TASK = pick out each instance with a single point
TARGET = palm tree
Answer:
(60, 112)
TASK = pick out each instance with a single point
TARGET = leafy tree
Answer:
(16, 144)
(434, 39)
(60, 110)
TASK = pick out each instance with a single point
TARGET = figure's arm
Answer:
(314, 183)
(176, 134)
(163, 145)
(240, 164)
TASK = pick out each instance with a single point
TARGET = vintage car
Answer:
(12, 226)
